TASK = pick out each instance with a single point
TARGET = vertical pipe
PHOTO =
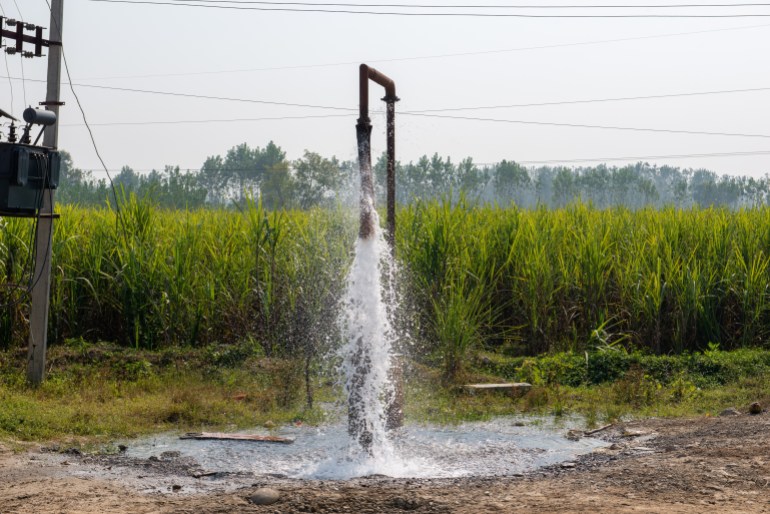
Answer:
(357, 425)
(360, 358)
(364, 136)
(391, 179)
(363, 93)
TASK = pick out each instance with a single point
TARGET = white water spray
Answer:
(368, 350)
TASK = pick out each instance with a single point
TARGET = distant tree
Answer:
(173, 189)
(415, 178)
(440, 173)
(77, 186)
(624, 181)
(593, 184)
(184, 189)
(469, 178)
(127, 179)
(564, 190)
(544, 186)
(511, 181)
(648, 191)
(212, 178)
(315, 180)
(703, 186)
(278, 187)
(242, 170)
(318, 180)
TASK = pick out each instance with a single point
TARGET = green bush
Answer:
(699, 369)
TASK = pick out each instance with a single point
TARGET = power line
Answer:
(441, 56)
(423, 14)
(599, 100)
(427, 114)
(21, 62)
(529, 162)
(85, 120)
(650, 157)
(471, 6)
(413, 112)
(205, 97)
(583, 125)
(220, 120)
(10, 83)
(7, 68)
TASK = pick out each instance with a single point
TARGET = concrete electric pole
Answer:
(38, 318)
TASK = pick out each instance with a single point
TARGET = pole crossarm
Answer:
(16, 32)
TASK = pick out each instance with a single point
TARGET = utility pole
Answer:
(38, 318)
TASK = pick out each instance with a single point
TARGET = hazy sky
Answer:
(312, 59)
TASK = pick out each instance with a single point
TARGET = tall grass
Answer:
(522, 281)
(665, 280)
(157, 277)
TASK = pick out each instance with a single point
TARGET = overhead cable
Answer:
(425, 114)
(423, 14)
(585, 126)
(420, 111)
(650, 157)
(532, 162)
(482, 6)
(443, 56)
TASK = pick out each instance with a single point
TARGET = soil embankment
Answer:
(698, 465)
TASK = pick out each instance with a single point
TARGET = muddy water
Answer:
(501, 447)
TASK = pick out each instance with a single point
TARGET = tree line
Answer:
(314, 180)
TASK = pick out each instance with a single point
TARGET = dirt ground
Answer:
(699, 465)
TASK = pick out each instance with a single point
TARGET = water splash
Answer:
(368, 350)
(500, 447)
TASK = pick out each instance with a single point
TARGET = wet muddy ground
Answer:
(698, 465)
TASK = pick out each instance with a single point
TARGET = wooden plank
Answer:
(236, 437)
(597, 430)
(515, 386)
(515, 389)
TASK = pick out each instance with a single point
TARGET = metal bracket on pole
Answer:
(20, 37)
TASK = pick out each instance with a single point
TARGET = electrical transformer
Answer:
(25, 172)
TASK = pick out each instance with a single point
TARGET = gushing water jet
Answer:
(374, 401)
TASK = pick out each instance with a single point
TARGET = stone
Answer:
(755, 408)
(405, 503)
(170, 454)
(574, 435)
(122, 448)
(176, 488)
(732, 411)
(265, 496)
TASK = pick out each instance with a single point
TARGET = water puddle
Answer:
(501, 447)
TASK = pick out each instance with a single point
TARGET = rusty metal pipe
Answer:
(361, 358)
(364, 133)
